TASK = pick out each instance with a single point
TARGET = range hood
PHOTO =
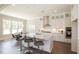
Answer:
(46, 21)
(47, 25)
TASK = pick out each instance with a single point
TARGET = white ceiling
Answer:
(31, 11)
(2, 6)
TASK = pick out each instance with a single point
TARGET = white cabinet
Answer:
(68, 19)
(59, 37)
(74, 12)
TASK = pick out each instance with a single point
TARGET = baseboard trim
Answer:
(62, 42)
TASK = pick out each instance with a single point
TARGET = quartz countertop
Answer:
(41, 36)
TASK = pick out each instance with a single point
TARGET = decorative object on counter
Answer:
(58, 30)
(68, 32)
(61, 30)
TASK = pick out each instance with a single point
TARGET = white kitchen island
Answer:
(47, 38)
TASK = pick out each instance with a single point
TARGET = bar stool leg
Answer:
(20, 45)
(28, 44)
(29, 52)
(38, 47)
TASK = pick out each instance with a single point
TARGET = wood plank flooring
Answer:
(61, 48)
(11, 47)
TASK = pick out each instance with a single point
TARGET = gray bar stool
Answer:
(19, 40)
(28, 40)
(38, 43)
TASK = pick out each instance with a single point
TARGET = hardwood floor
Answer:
(11, 47)
(62, 48)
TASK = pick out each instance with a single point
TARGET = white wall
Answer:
(30, 27)
(78, 32)
(38, 25)
(74, 36)
(74, 21)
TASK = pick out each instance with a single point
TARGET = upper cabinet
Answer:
(74, 12)
(67, 19)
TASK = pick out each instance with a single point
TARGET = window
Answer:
(17, 26)
(11, 26)
(20, 26)
(6, 26)
(31, 28)
(14, 27)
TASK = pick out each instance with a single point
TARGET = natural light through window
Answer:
(6, 26)
(31, 26)
(12, 26)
